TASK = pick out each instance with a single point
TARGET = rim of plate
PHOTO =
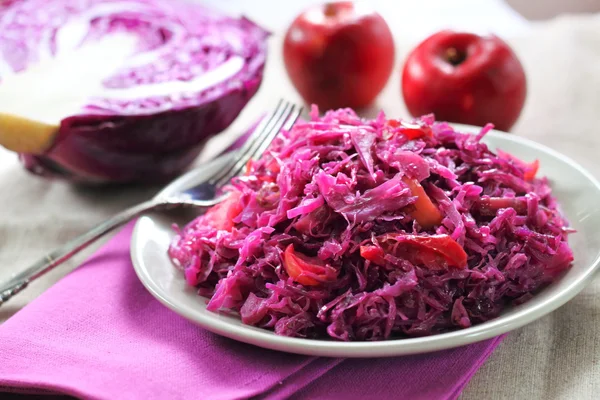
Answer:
(385, 348)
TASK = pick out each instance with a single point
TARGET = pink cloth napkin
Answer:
(99, 334)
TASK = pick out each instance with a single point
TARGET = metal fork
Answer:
(202, 194)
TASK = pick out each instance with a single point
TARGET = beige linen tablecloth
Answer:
(557, 357)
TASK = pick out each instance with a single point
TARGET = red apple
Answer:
(339, 54)
(466, 78)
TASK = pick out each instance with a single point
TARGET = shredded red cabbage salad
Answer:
(358, 229)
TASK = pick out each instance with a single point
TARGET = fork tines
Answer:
(283, 117)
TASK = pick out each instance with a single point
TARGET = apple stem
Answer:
(454, 56)
(330, 9)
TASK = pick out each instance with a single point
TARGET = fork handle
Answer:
(19, 281)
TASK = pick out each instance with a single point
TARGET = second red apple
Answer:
(465, 78)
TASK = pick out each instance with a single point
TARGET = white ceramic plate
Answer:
(577, 191)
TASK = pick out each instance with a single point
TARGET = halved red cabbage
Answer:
(333, 189)
(188, 74)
